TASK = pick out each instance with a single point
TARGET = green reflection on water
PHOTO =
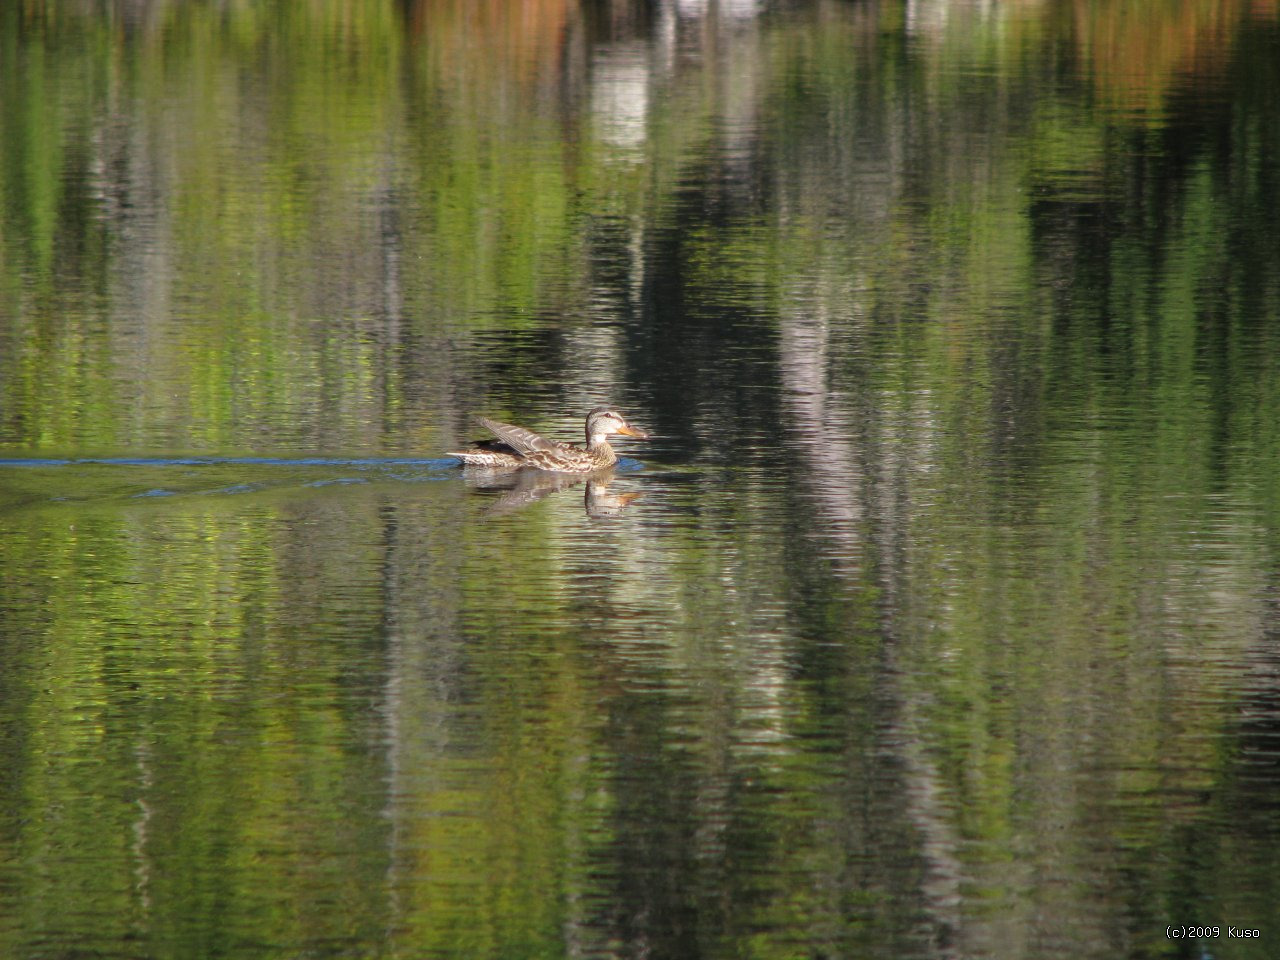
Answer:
(943, 624)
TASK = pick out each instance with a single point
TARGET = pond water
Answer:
(939, 617)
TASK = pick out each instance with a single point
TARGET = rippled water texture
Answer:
(938, 619)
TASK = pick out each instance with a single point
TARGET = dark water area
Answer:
(937, 618)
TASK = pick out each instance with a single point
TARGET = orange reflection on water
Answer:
(1138, 52)
(522, 39)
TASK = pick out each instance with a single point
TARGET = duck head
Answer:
(604, 422)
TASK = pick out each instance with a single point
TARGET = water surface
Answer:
(938, 619)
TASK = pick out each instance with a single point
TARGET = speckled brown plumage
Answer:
(517, 448)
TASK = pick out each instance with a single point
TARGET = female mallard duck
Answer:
(517, 447)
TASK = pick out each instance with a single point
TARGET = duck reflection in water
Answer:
(520, 488)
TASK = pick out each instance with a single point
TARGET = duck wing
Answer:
(491, 446)
(519, 439)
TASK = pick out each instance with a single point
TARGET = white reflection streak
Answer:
(142, 829)
(691, 9)
(740, 9)
(821, 434)
(620, 97)
(930, 17)
(764, 695)
(597, 359)
(423, 653)
(730, 10)
(820, 430)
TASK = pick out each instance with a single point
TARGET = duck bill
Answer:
(631, 431)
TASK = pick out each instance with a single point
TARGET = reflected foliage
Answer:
(940, 621)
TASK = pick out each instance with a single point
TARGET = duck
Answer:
(517, 448)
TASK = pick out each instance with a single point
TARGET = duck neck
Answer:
(598, 446)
